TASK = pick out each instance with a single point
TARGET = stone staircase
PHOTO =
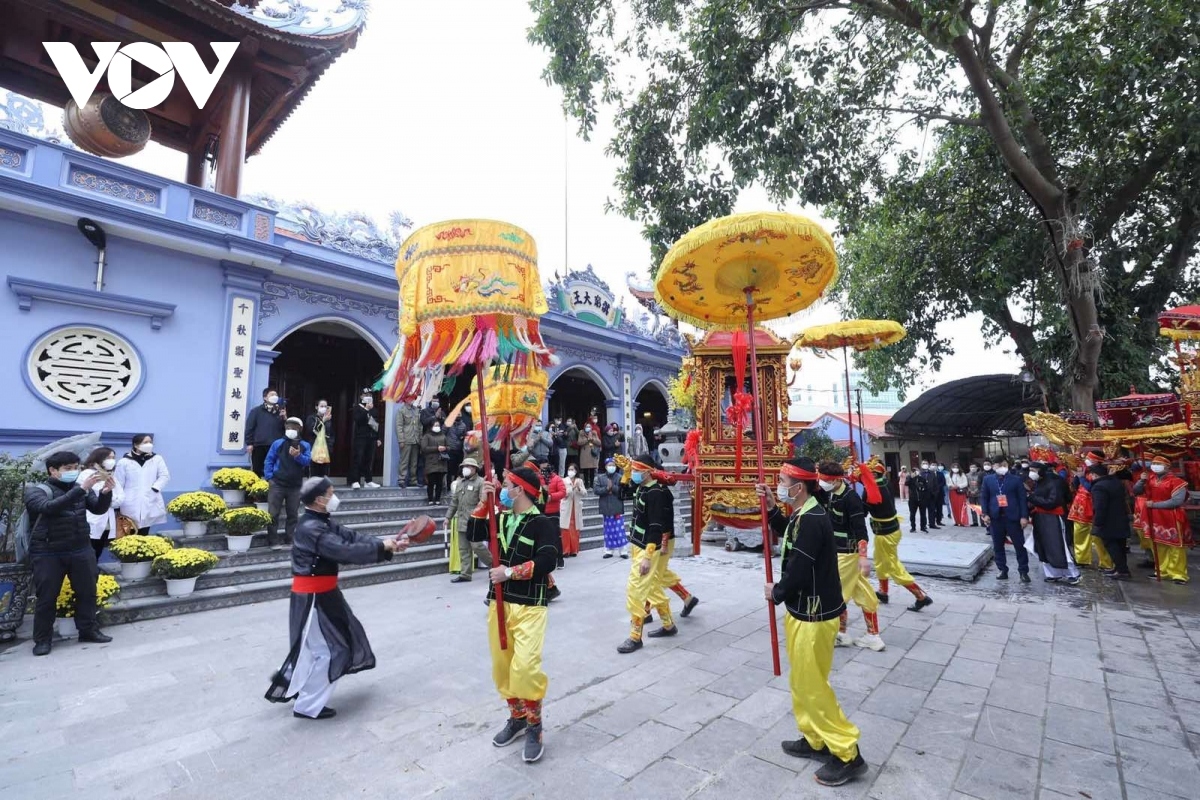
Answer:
(264, 573)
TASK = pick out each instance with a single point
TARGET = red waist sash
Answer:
(313, 584)
(1058, 512)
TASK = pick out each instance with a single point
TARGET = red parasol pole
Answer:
(849, 404)
(762, 478)
(485, 451)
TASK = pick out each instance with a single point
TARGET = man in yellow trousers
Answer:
(528, 554)
(885, 524)
(653, 523)
(848, 516)
(810, 588)
(1081, 515)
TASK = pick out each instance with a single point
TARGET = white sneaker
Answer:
(843, 640)
(356, 486)
(371, 485)
(871, 641)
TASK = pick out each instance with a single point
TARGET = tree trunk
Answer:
(1079, 287)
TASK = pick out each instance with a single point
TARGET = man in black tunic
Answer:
(327, 639)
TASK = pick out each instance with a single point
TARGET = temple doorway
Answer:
(329, 361)
(577, 395)
(650, 409)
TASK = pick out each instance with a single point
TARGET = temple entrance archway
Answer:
(650, 408)
(331, 360)
(576, 394)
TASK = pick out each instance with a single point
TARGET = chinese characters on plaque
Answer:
(589, 303)
(237, 373)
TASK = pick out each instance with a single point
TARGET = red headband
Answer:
(528, 488)
(798, 474)
(821, 476)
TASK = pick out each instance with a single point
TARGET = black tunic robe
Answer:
(1048, 504)
(320, 545)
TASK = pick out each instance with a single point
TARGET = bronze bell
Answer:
(106, 127)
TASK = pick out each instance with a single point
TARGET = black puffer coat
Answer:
(60, 522)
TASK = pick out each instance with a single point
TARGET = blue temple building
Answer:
(138, 303)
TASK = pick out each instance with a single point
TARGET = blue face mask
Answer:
(505, 498)
(69, 477)
(638, 477)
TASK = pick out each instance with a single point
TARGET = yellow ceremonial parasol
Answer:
(857, 334)
(470, 294)
(730, 271)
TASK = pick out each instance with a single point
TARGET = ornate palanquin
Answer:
(723, 495)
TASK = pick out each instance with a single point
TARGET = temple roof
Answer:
(288, 46)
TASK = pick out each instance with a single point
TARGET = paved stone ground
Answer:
(997, 691)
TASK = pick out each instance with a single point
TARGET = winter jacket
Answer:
(142, 482)
(263, 426)
(436, 461)
(608, 489)
(610, 445)
(99, 523)
(408, 425)
(589, 447)
(572, 504)
(282, 468)
(60, 522)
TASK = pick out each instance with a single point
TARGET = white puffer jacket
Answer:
(139, 482)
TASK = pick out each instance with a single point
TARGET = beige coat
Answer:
(589, 458)
(572, 504)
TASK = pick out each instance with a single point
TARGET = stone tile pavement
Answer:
(997, 691)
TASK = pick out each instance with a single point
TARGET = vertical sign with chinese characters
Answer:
(238, 360)
(628, 403)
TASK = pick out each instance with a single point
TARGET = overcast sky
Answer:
(441, 112)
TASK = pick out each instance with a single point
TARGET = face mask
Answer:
(638, 477)
(437, 428)
(434, 404)
(272, 399)
(146, 447)
(924, 466)
(570, 473)
(1024, 465)
(1091, 462)
(954, 470)
(826, 485)
(1158, 469)
(1001, 470)
(783, 494)
(537, 428)
(467, 409)
(109, 463)
(69, 477)
(366, 401)
(291, 434)
(1033, 475)
(467, 472)
(331, 505)
(987, 467)
(505, 498)
(610, 470)
(322, 410)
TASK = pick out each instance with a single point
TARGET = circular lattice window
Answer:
(84, 369)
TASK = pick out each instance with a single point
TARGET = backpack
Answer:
(24, 531)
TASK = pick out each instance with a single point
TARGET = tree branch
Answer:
(1041, 188)
(928, 114)
(1012, 64)
(1121, 199)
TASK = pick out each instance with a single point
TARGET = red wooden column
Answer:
(234, 127)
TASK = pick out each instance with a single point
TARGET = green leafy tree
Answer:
(817, 445)
(1067, 133)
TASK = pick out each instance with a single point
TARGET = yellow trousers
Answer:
(855, 586)
(517, 671)
(1172, 563)
(818, 715)
(646, 588)
(455, 558)
(669, 578)
(1085, 543)
(887, 561)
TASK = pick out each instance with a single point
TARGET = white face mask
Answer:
(1034, 475)
(368, 402)
(826, 485)
(109, 463)
(610, 469)
(954, 470)
(322, 410)
(467, 409)
(783, 494)
(570, 473)
(291, 434)
(331, 505)
(1158, 469)
(1024, 465)
(272, 399)
(146, 447)
(924, 466)
(437, 428)
(467, 472)
(1001, 470)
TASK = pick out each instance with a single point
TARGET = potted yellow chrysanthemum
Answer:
(234, 482)
(195, 510)
(180, 568)
(257, 494)
(136, 554)
(241, 525)
(107, 589)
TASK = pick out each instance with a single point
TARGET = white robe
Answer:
(141, 503)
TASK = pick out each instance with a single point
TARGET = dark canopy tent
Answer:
(981, 407)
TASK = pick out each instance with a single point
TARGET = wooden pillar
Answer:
(235, 122)
(195, 166)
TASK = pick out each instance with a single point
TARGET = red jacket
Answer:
(555, 491)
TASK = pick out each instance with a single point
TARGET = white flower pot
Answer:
(193, 529)
(65, 628)
(233, 497)
(180, 587)
(136, 570)
(238, 544)
(262, 506)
